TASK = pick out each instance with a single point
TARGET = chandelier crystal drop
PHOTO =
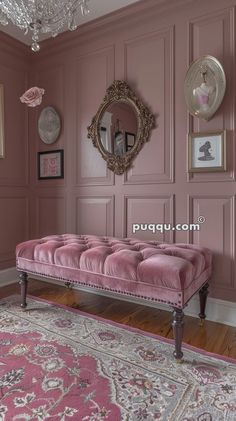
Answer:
(42, 16)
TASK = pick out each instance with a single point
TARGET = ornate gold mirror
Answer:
(120, 127)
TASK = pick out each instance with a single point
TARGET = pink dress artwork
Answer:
(202, 94)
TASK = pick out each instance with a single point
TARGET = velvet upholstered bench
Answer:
(165, 273)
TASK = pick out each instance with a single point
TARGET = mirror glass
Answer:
(119, 127)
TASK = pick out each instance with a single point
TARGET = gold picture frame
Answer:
(207, 151)
(2, 149)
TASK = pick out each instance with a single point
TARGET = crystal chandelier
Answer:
(42, 16)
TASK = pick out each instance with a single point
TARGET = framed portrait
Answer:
(51, 164)
(129, 140)
(204, 87)
(2, 152)
(207, 151)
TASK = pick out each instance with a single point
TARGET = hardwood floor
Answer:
(213, 337)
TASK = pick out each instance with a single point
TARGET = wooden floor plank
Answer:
(212, 337)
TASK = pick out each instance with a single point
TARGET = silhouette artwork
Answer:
(206, 150)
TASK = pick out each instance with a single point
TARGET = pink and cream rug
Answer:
(63, 365)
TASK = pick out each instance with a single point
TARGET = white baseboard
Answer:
(8, 276)
(217, 310)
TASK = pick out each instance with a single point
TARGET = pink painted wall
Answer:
(151, 45)
(14, 168)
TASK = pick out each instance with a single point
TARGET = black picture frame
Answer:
(129, 140)
(51, 164)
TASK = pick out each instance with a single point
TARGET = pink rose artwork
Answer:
(33, 96)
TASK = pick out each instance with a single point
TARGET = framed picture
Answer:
(2, 154)
(207, 151)
(49, 125)
(129, 140)
(51, 164)
(204, 87)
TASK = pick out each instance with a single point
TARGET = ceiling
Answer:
(97, 8)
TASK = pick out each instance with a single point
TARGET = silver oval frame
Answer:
(207, 71)
(49, 125)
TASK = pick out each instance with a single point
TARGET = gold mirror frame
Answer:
(120, 91)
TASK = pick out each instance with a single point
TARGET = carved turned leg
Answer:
(203, 293)
(23, 284)
(177, 325)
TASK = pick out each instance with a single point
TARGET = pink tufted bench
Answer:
(166, 273)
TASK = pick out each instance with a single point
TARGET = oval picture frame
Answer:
(49, 125)
(204, 87)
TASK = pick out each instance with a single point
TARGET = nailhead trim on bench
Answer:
(105, 289)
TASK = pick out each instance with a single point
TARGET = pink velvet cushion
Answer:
(141, 268)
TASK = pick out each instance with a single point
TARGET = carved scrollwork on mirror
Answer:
(120, 127)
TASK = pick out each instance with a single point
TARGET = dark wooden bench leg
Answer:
(23, 284)
(178, 325)
(203, 293)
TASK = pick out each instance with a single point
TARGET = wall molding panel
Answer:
(157, 52)
(95, 215)
(89, 67)
(50, 215)
(147, 210)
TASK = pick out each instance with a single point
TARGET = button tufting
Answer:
(137, 268)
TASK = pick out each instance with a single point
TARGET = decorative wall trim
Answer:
(168, 205)
(85, 225)
(219, 311)
(39, 223)
(167, 36)
(108, 56)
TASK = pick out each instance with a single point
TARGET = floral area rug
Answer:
(60, 364)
